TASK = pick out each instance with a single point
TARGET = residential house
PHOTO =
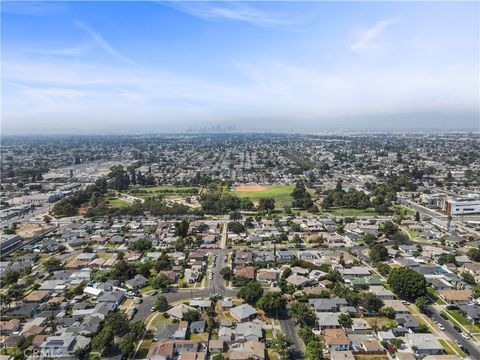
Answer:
(458, 297)
(267, 276)
(138, 282)
(381, 292)
(425, 344)
(248, 350)
(336, 339)
(328, 320)
(248, 331)
(243, 312)
(327, 305)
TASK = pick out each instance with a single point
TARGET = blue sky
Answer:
(166, 66)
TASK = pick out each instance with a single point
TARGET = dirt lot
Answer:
(31, 230)
(251, 188)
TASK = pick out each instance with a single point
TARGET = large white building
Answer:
(464, 205)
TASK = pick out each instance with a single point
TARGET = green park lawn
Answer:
(119, 203)
(281, 194)
(352, 212)
(163, 190)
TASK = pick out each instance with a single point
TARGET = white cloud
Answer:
(230, 11)
(102, 43)
(73, 94)
(368, 38)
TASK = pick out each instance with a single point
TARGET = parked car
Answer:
(441, 327)
(457, 328)
(466, 336)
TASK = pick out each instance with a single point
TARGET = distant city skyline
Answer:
(126, 67)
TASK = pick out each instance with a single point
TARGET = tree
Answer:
(388, 312)
(227, 273)
(236, 227)
(388, 228)
(397, 342)
(118, 322)
(307, 335)
(281, 344)
(338, 186)
(11, 277)
(417, 216)
(191, 316)
(407, 283)
(369, 238)
(468, 278)
(102, 339)
(52, 264)
(162, 281)
(372, 302)
(119, 179)
(474, 254)
(235, 215)
(181, 228)
(161, 304)
(127, 344)
(421, 304)
(272, 303)
(218, 357)
(141, 245)
(301, 197)
(383, 268)
(251, 292)
(303, 313)
(378, 252)
(81, 354)
(314, 350)
(266, 204)
(137, 329)
(345, 320)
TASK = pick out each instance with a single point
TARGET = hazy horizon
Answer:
(156, 67)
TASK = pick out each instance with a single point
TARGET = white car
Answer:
(466, 336)
(441, 327)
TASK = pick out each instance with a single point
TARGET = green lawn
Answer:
(406, 211)
(352, 212)
(146, 289)
(199, 337)
(164, 190)
(462, 320)
(447, 348)
(159, 320)
(144, 347)
(457, 349)
(281, 194)
(119, 203)
(432, 294)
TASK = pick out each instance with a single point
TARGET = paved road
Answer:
(288, 327)
(216, 285)
(455, 335)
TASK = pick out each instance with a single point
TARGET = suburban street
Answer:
(455, 335)
(216, 285)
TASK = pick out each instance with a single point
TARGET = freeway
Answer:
(455, 335)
